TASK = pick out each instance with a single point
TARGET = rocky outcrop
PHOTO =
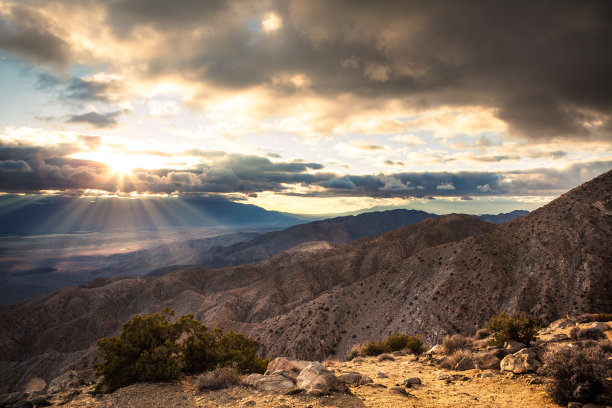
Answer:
(315, 378)
(521, 362)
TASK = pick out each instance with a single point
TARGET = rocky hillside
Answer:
(443, 275)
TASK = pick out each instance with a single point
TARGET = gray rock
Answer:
(437, 349)
(290, 375)
(316, 377)
(411, 381)
(523, 361)
(35, 384)
(400, 391)
(285, 364)
(273, 383)
(511, 347)
(487, 361)
(354, 378)
(382, 375)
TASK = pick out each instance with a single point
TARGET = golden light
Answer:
(271, 22)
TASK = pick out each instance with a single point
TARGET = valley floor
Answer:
(498, 390)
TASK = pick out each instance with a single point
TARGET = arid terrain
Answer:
(441, 276)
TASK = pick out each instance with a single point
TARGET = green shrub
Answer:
(577, 373)
(395, 342)
(148, 349)
(372, 348)
(398, 342)
(518, 326)
(451, 344)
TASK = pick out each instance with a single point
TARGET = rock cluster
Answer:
(292, 376)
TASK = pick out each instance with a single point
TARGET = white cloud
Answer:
(445, 186)
(411, 140)
(484, 188)
(167, 108)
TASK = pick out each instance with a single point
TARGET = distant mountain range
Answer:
(25, 215)
(442, 275)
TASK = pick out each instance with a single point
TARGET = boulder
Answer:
(285, 364)
(437, 349)
(511, 347)
(290, 375)
(274, 383)
(523, 361)
(315, 377)
(35, 385)
(354, 378)
(487, 361)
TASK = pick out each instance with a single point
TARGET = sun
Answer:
(120, 164)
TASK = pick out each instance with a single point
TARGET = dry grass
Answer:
(456, 342)
(219, 378)
(460, 360)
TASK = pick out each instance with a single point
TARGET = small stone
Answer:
(411, 381)
(400, 391)
(382, 375)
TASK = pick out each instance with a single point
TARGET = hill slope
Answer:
(440, 276)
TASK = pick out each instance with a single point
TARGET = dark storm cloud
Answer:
(28, 34)
(544, 65)
(98, 120)
(125, 15)
(32, 168)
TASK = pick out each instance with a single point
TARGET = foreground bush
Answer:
(577, 373)
(148, 349)
(459, 360)
(395, 342)
(219, 378)
(588, 333)
(456, 342)
(518, 326)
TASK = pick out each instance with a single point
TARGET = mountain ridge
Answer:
(441, 276)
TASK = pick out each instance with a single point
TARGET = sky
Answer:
(307, 106)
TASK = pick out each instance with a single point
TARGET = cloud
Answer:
(26, 32)
(445, 186)
(485, 188)
(166, 108)
(538, 71)
(411, 140)
(98, 120)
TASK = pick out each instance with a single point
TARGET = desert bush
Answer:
(386, 357)
(146, 350)
(577, 373)
(518, 326)
(395, 342)
(355, 351)
(156, 348)
(588, 333)
(450, 344)
(373, 348)
(594, 317)
(602, 317)
(482, 334)
(460, 360)
(219, 378)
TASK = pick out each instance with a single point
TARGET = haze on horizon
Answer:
(307, 106)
